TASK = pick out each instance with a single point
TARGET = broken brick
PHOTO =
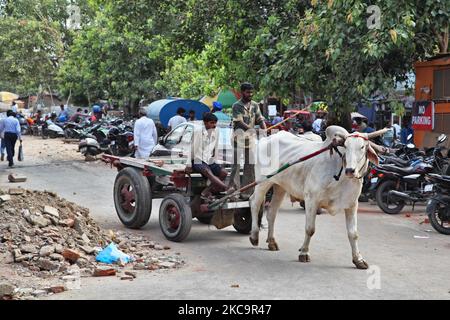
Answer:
(104, 272)
(57, 289)
(71, 255)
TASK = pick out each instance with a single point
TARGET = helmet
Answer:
(96, 109)
(62, 118)
(217, 106)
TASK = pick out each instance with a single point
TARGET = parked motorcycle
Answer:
(91, 147)
(122, 142)
(405, 157)
(400, 185)
(24, 126)
(438, 207)
(50, 129)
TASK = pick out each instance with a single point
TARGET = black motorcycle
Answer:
(121, 141)
(401, 185)
(438, 207)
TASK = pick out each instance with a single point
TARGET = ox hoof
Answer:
(273, 246)
(254, 242)
(304, 258)
(361, 264)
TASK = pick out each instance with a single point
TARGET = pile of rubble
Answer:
(44, 237)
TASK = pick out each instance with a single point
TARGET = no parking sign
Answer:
(423, 115)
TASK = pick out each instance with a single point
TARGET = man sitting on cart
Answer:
(204, 157)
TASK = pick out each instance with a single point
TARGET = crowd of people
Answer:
(395, 134)
(246, 115)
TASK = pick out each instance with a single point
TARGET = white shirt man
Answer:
(317, 124)
(204, 154)
(145, 136)
(175, 121)
(205, 145)
(397, 129)
(14, 107)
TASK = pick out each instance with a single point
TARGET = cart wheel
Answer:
(243, 220)
(132, 198)
(175, 217)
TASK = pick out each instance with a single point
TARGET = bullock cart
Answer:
(138, 182)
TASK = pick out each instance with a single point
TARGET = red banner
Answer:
(423, 115)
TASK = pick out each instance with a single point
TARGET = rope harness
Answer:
(332, 146)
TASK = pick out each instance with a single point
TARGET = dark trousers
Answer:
(249, 169)
(2, 147)
(10, 143)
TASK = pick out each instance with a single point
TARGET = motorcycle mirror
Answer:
(442, 138)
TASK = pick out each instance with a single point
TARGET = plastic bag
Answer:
(112, 254)
(20, 154)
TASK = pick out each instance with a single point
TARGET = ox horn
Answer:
(379, 149)
(377, 133)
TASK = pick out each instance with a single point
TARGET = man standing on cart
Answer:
(246, 115)
(204, 156)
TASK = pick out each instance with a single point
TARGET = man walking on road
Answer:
(145, 135)
(2, 140)
(11, 128)
(246, 115)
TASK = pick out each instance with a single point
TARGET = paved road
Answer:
(409, 268)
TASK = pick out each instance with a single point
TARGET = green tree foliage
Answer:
(33, 39)
(121, 54)
(334, 54)
(127, 50)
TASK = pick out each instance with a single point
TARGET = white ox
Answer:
(313, 181)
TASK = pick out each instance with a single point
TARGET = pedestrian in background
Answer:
(277, 119)
(11, 128)
(397, 130)
(63, 114)
(389, 137)
(177, 119)
(14, 107)
(145, 135)
(317, 124)
(192, 116)
(405, 132)
(2, 140)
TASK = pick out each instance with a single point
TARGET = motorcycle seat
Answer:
(403, 171)
(442, 178)
(396, 161)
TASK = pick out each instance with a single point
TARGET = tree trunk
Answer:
(442, 39)
(51, 95)
(89, 98)
(68, 99)
(340, 116)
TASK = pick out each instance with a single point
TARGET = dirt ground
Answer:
(43, 151)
